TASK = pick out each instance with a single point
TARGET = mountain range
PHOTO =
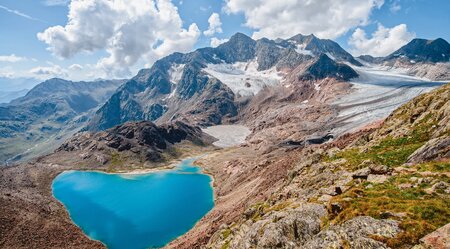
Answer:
(206, 87)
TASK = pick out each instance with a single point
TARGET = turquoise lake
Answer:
(136, 211)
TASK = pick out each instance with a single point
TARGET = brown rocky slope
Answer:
(381, 187)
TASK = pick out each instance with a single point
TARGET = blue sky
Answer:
(22, 54)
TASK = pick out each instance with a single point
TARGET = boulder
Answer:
(433, 149)
(379, 169)
(439, 239)
(361, 173)
(377, 179)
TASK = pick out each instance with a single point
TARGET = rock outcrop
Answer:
(144, 140)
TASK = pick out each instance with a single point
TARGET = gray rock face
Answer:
(287, 229)
(324, 67)
(355, 233)
(435, 148)
(301, 228)
(324, 46)
(439, 239)
(421, 50)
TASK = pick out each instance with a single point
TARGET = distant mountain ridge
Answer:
(420, 57)
(8, 96)
(421, 50)
(53, 109)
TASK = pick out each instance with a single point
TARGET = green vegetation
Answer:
(402, 197)
(226, 245)
(390, 151)
(434, 167)
(116, 162)
(421, 212)
(226, 233)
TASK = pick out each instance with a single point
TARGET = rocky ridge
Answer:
(423, 58)
(143, 140)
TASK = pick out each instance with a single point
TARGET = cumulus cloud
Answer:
(76, 67)
(48, 72)
(127, 30)
(283, 19)
(382, 42)
(11, 58)
(215, 42)
(215, 25)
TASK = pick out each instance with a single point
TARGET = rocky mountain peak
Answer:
(324, 67)
(303, 38)
(240, 47)
(319, 46)
(422, 50)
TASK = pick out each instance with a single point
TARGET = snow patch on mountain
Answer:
(243, 78)
(176, 72)
(301, 49)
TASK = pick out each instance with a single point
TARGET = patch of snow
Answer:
(316, 87)
(301, 49)
(176, 72)
(228, 135)
(215, 57)
(305, 102)
(331, 56)
(243, 78)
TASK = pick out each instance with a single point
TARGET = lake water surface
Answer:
(136, 211)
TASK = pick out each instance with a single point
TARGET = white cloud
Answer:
(383, 42)
(215, 25)
(11, 58)
(395, 6)
(127, 30)
(215, 42)
(283, 19)
(48, 72)
(56, 2)
(76, 67)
